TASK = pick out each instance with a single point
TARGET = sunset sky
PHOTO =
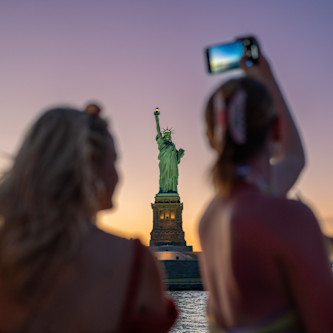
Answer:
(133, 56)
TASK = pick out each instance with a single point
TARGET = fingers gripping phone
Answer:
(226, 56)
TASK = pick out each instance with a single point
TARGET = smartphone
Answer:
(227, 56)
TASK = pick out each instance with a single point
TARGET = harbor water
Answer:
(192, 311)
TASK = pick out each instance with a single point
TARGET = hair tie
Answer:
(93, 109)
(236, 117)
(220, 118)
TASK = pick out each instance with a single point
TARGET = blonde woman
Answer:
(58, 271)
(264, 260)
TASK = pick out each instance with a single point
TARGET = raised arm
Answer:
(156, 114)
(288, 165)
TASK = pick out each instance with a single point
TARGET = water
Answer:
(192, 311)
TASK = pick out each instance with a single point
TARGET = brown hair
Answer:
(48, 195)
(259, 116)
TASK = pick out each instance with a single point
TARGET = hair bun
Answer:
(93, 109)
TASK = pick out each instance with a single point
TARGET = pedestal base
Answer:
(167, 221)
(170, 248)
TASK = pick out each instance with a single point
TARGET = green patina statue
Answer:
(169, 158)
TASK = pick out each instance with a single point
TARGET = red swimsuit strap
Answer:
(134, 282)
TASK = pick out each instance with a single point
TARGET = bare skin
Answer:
(269, 260)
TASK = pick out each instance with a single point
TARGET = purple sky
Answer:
(135, 55)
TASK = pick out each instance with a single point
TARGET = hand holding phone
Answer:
(226, 56)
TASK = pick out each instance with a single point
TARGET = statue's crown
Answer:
(168, 130)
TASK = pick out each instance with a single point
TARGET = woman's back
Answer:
(99, 289)
(259, 257)
(238, 245)
(88, 292)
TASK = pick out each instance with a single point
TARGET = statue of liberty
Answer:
(169, 158)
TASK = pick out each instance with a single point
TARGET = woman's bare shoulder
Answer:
(300, 223)
(213, 206)
(290, 222)
(291, 212)
(105, 248)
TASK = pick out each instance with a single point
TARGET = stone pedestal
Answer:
(168, 222)
(167, 241)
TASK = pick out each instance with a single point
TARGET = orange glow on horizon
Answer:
(106, 223)
(141, 230)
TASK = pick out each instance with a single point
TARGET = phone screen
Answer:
(224, 56)
(227, 56)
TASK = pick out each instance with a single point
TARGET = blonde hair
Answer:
(48, 195)
(259, 116)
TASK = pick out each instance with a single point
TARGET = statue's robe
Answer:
(169, 158)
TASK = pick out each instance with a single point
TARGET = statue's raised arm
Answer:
(157, 113)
